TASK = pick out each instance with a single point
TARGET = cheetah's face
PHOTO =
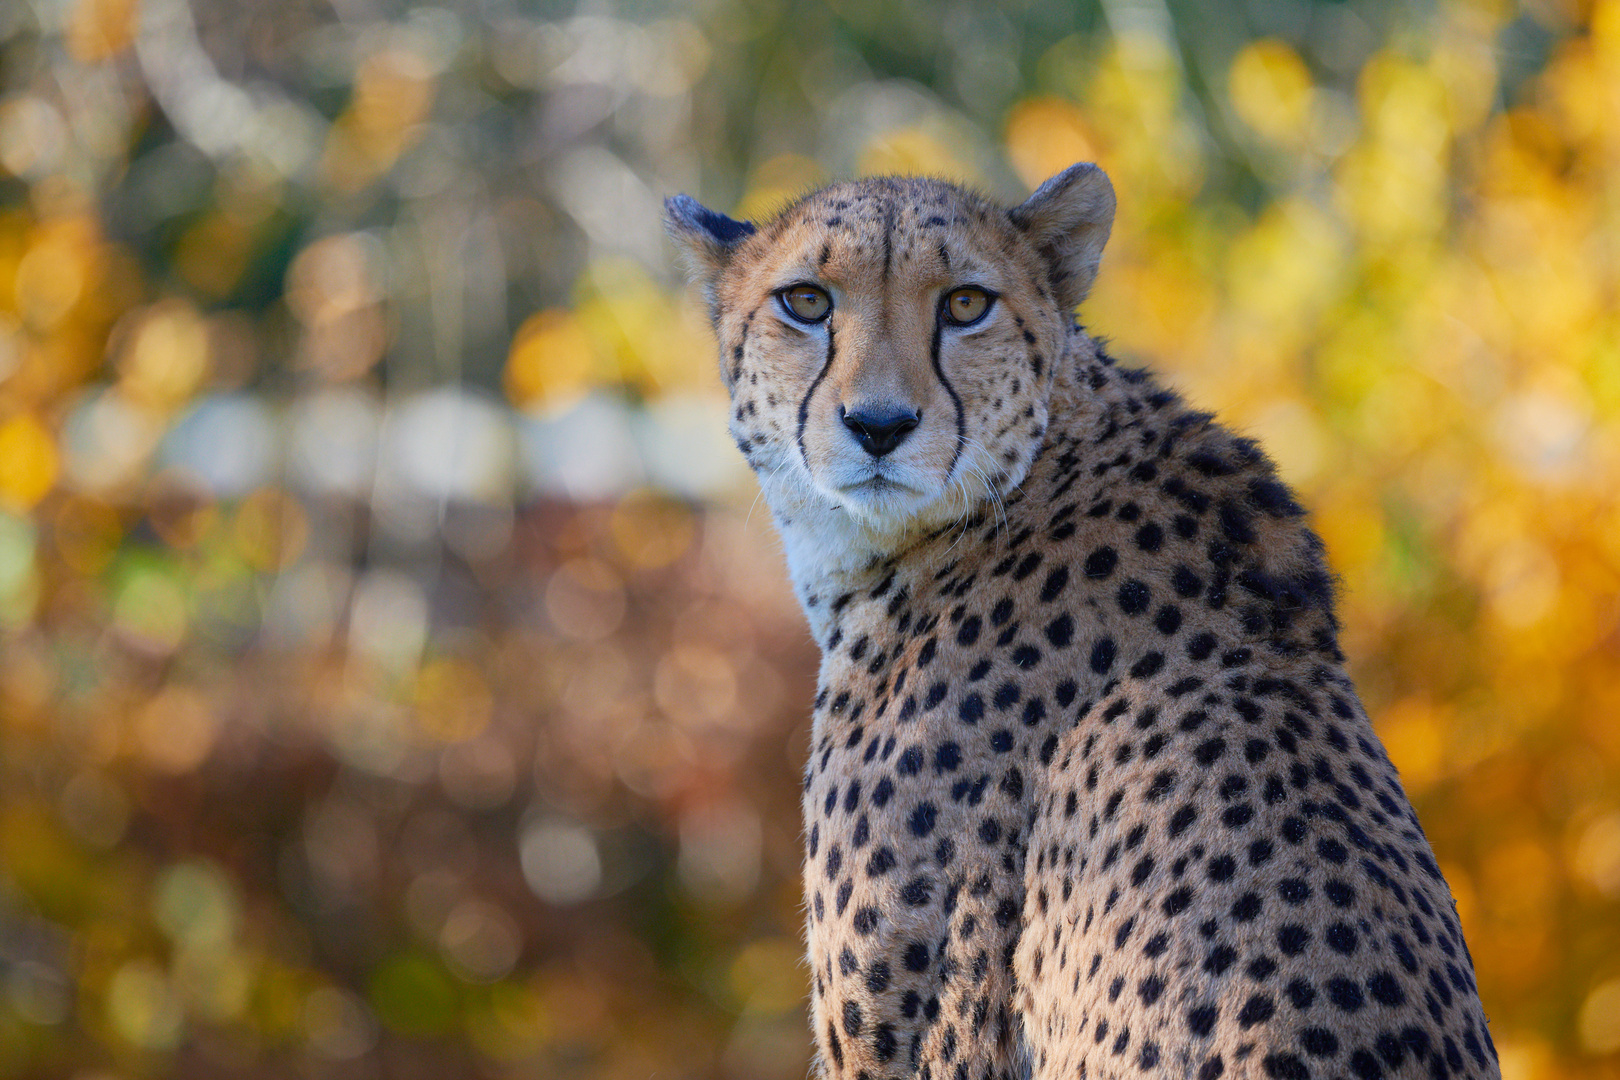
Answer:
(888, 344)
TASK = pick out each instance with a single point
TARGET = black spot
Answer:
(1168, 620)
(1285, 1067)
(1177, 902)
(1060, 631)
(1340, 938)
(1055, 583)
(917, 892)
(1366, 1067)
(1101, 563)
(922, 819)
(1163, 782)
(1201, 1021)
(1186, 583)
(916, 957)
(1182, 820)
(1300, 994)
(1292, 939)
(852, 1019)
(1102, 655)
(883, 1043)
(1220, 958)
(1256, 1010)
(1386, 990)
(1147, 666)
(1134, 597)
(865, 920)
(1235, 817)
(1293, 890)
(1331, 850)
(968, 632)
(1237, 525)
(1344, 993)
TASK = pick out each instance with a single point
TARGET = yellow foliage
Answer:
(393, 92)
(915, 151)
(453, 702)
(652, 341)
(551, 362)
(1046, 135)
(55, 270)
(165, 355)
(776, 182)
(28, 462)
(1271, 90)
(101, 29)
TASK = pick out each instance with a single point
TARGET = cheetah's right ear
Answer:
(1068, 220)
(707, 239)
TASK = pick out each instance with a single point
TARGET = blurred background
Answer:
(396, 678)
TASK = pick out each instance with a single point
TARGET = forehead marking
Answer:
(888, 237)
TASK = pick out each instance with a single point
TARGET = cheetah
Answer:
(1089, 793)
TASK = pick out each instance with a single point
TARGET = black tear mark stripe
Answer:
(961, 421)
(804, 405)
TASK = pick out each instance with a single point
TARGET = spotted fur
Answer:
(1089, 793)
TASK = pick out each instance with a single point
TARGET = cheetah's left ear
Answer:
(707, 240)
(1068, 220)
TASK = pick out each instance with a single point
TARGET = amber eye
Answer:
(966, 306)
(806, 303)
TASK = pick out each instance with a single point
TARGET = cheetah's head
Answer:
(889, 344)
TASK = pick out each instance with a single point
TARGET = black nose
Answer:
(880, 428)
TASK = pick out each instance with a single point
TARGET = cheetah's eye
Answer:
(966, 306)
(806, 303)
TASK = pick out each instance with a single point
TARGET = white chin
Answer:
(884, 504)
